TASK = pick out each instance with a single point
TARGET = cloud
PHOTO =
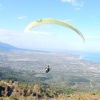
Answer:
(93, 36)
(73, 2)
(9, 33)
(3, 31)
(39, 33)
(78, 5)
(22, 17)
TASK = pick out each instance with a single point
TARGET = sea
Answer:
(90, 56)
(85, 55)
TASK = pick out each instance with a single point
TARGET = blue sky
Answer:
(15, 15)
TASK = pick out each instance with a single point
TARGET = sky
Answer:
(15, 15)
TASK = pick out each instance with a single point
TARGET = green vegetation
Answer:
(70, 77)
(12, 90)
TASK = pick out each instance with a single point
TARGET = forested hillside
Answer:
(12, 90)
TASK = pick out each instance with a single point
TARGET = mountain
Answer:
(7, 47)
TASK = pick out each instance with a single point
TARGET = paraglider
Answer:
(53, 21)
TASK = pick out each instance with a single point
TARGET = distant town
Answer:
(62, 65)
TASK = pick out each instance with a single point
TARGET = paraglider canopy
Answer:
(53, 21)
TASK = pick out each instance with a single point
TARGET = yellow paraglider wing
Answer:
(53, 21)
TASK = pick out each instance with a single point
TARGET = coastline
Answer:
(89, 56)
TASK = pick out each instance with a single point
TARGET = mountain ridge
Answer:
(7, 47)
